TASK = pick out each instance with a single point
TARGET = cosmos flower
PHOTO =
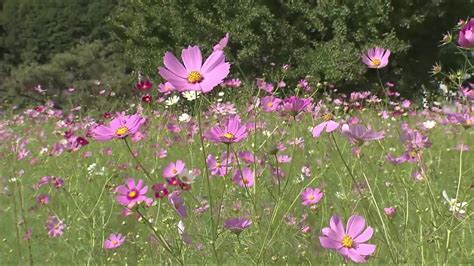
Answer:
(454, 206)
(114, 241)
(329, 124)
(222, 43)
(237, 225)
(358, 134)
(131, 194)
(311, 196)
(244, 178)
(166, 88)
(349, 241)
(376, 57)
(390, 211)
(219, 167)
(466, 35)
(194, 75)
(295, 105)
(270, 103)
(232, 132)
(144, 85)
(54, 226)
(119, 128)
(174, 169)
(178, 203)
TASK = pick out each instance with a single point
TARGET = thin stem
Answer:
(208, 183)
(148, 175)
(160, 237)
(28, 241)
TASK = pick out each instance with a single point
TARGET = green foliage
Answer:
(323, 39)
(34, 30)
(80, 67)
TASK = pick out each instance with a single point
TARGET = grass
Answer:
(423, 231)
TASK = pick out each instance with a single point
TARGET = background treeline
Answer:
(96, 45)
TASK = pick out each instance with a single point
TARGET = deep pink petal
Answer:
(215, 59)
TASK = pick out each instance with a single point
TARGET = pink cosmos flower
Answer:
(329, 125)
(174, 169)
(295, 105)
(219, 167)
(119, 128)
(466, 35)
(349, 242)
(160, 190)
(237, 225)
(376, 57)
(244, 178)
(270, 103)
(311, 196)
(131, 193)
(222, 43)
(54, 226)
(166, 88)
(232, 132)
(390, 211)
(358, 134)
(114, 241)
(178, 203)
(194, 75)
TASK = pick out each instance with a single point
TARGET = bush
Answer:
(89, 68)
(323, 39)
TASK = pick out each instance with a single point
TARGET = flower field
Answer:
(206, 168)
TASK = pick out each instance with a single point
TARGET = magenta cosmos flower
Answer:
(270, 103)
(194, 75)
(328, 125)
(119, 128)
(349, 242)
(54, 226)
(244, 178)
(376, 57)
(114, 241)
(466, 35)
(131, 193)
(232, 132)
(295, 105)
(237, 225)
(174, 169)
(311, 196)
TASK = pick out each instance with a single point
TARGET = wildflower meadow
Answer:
(205, 165)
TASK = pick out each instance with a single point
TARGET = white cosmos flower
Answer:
(187, 176)
(172, 100)
(453, 205)
(184, 118)
(191, 95)
(429, 124)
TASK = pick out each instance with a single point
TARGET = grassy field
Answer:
(423, 230)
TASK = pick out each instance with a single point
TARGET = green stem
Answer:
(147, 174)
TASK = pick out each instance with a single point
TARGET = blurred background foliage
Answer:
(82, 43)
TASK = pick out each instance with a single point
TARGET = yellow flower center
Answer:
(327, 117)
(311, 197)
(174, 171)
(218, 164)
(228, 136)
(376, 62)
(468, 122)
(245, 181)
(194, 77)
(132, 194)
(121, 131)
(167, 88)
(269, 104)
(347, 242)
(412, 154)
(114, 242)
